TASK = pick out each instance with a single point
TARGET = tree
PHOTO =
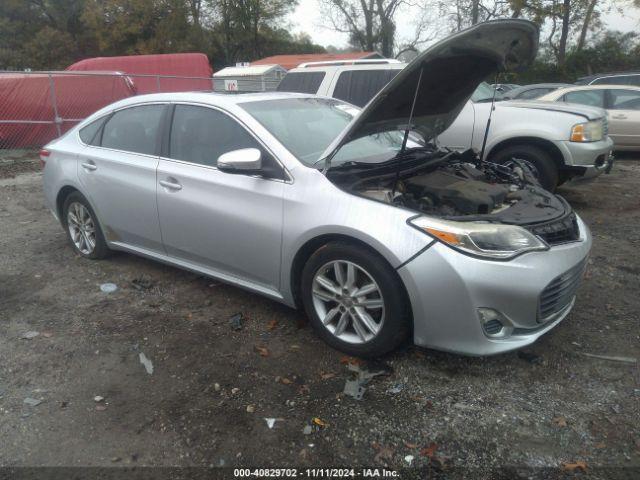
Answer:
(370, 24)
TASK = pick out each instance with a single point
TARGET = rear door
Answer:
(623, 107)
(231, 223)
(117, 170)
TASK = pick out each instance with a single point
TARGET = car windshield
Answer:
(484, 93)
(307, 126)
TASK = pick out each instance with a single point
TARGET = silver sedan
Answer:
(356, 216)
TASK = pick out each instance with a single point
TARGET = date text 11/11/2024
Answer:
(315, 473)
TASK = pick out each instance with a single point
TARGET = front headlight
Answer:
(587, 132)
(481, 239)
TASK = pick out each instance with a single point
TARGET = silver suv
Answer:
(352, 215)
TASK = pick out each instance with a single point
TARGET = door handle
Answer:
(171, 185)
(90, 166)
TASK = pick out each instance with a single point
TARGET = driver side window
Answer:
(200, 135)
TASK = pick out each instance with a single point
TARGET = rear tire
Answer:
(545, 168)
(361, 308)
(82, 227)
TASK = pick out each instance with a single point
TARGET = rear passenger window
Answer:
(200, 135)
(594, 98)
(624, 100)
(89, 135)
(301, 82)
(134, 129)
(618, 80)
(360, 86)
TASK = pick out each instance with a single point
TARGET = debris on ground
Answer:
(148, 366)
(395, 389)
(263, 351)
(611, 358)
(409, 459)
(108, 287)
(384, 453)
(559, 421)
(142, 283)
(32, 402)
(47, 334)
(355, 387)
(29, 335)
(271, 422)
(272, 324)
(216, 387)
(319, 422)
(101, 407)
(98, 399)
(251, 408)
(574, 466)
(236, 321)
(307, 430)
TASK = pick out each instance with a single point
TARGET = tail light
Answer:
(44, 156)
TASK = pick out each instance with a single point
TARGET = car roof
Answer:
(576, 88)
(608, 74)
(342, 68)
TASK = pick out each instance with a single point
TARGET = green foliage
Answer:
(51, 34)
(612, 52)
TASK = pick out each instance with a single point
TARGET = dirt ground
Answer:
(548, 411)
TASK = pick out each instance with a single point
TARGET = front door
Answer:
(624, 117)
(231, 223)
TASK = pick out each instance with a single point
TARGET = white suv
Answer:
(354, 81)
(555, 140)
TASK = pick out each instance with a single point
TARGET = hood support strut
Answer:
(407, 131)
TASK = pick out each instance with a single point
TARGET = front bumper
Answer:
(446, 288)
(586, 161)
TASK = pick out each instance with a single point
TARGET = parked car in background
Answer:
(622, 104)
(619, 78)
(539, 134)
(530, 92)
(377, 234)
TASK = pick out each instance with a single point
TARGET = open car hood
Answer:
(441, 79)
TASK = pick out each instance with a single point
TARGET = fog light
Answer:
(494, 324)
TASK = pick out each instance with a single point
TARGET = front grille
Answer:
(557, 231)
(560, 292)
(605, 126)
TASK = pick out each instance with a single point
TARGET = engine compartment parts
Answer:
(455, 186)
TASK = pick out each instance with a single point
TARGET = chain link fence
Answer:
(37, 107)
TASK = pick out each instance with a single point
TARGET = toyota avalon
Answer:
(358, 217)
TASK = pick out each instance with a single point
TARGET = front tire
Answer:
(538, 160)
(355, 300)
(82, 227)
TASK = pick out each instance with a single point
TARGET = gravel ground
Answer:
(548, 411)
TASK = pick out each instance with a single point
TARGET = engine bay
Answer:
(455, 186)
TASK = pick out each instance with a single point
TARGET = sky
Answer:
(307, 18)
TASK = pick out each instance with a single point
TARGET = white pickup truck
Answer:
(560, 142)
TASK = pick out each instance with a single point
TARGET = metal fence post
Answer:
(158, 82)
(52, 89)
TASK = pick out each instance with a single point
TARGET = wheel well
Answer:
(316, 243)
(553, 151)
(62, 196)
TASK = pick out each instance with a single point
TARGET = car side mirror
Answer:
(244, 160)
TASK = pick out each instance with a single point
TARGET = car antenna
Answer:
(493, 107)
(406, 132)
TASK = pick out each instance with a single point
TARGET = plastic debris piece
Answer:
(148, 366)
(409, 459)
(236, 321)
(29, 335)
(108, 287)
(611, 358)
(307, 430)
(354, 389)
(98, 399)
(319, 422)
(251, 408)
(397, 388)
(271, 422)
(142, 283)
(32, 402)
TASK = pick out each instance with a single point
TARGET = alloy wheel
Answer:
(81, 228)
(348, 301)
